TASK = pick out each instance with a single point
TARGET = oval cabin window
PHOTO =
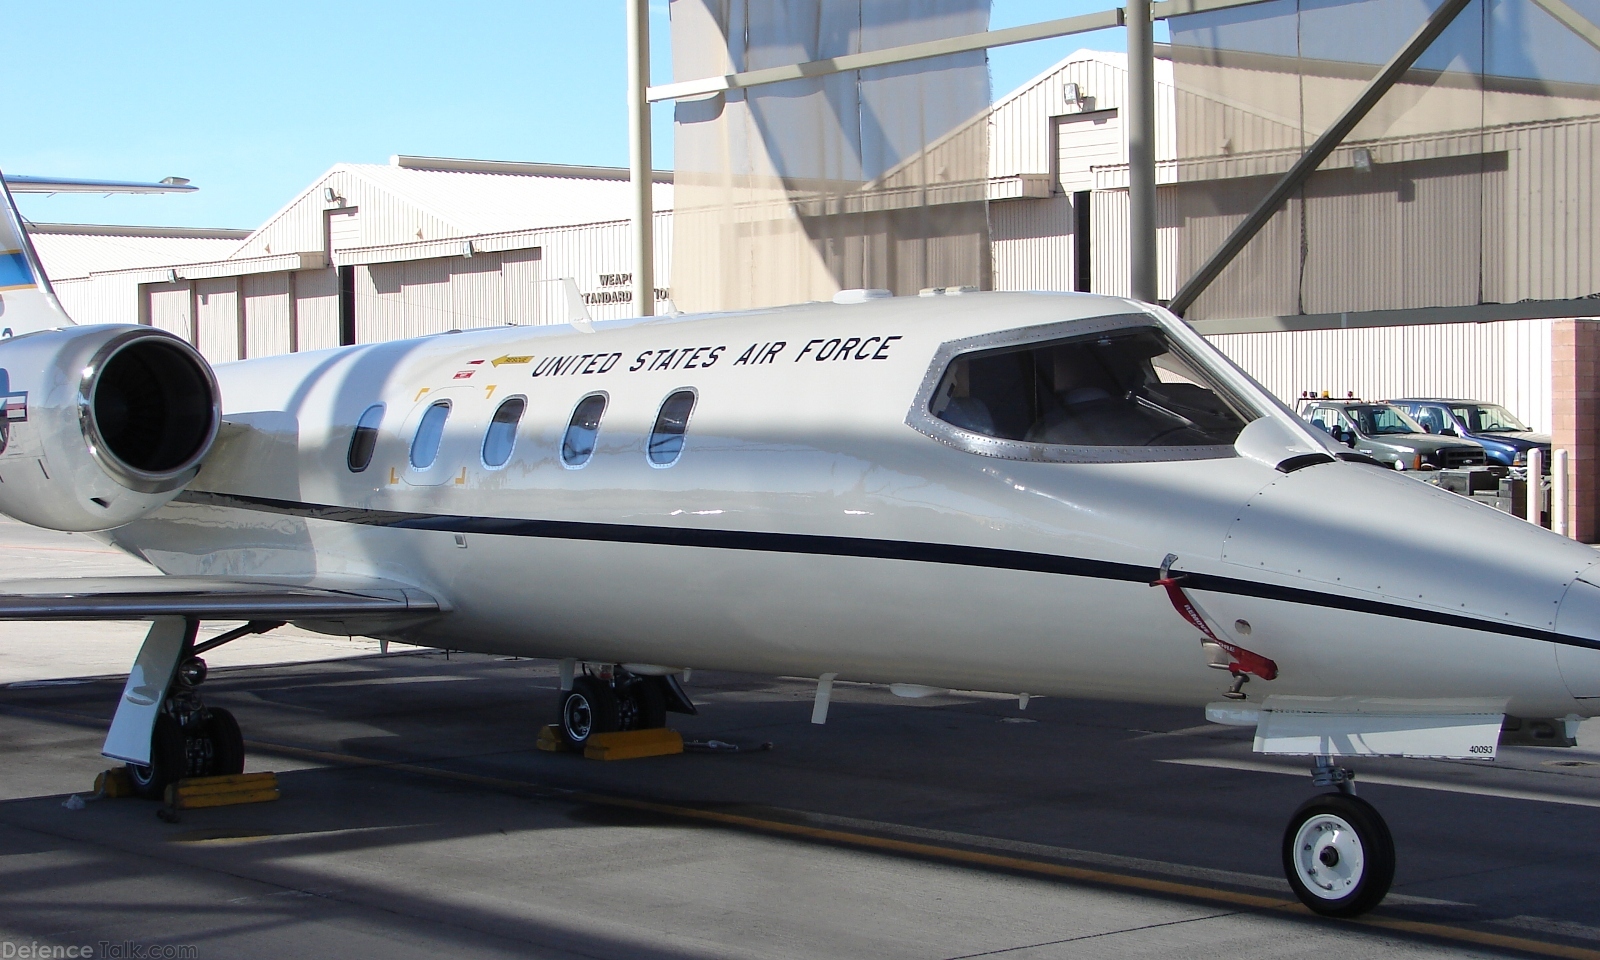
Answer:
(365, 439)
(578, 444)
(666, 439)
(502, 434)
(425, 445)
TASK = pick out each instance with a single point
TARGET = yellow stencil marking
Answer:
(463, 478)
(393, 478)
(419, 395)
(488, 390)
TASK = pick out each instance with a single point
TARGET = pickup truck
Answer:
(1504, 438)
(1386, 434)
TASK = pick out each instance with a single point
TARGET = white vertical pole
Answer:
(1558, 492)
(1141, 114)
(1535, 483)
(639, 162)
(819, 707)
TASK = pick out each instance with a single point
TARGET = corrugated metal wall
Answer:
(316, 307)
(266, 314)
(1108, 241)
(1506, 363)
(1033, 244)
(216, 304)
(169, 308)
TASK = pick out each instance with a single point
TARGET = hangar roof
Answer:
(406, 201)
(70, 250)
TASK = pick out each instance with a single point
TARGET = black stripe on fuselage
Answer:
(820, 545)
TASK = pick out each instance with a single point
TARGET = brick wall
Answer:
(1575, 402)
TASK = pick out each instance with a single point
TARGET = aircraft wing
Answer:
(211, 598)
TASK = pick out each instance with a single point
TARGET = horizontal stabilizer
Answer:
(19, 184)
(211, 598)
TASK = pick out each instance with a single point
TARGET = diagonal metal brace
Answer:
(1317, 152)
(1572, 20)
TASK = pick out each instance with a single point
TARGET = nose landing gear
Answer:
(1337, 852)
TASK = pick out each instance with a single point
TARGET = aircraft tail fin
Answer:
(27, 303)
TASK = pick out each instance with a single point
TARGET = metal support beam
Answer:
(644, 254)
(880, 58)
(1141, 107)
(1318, 152)
(1572, 19)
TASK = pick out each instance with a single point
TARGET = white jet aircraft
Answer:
(1055, 494)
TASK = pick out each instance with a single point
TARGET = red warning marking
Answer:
(1244, 661)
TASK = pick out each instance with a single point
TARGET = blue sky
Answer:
(253, 101)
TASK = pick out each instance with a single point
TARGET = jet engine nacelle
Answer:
(102, 424)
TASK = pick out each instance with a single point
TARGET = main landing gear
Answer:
(1337, 851)
(190, 738)
(608, 698)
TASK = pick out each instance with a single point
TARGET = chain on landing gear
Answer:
(1337, 852)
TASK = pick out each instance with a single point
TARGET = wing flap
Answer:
(213, 598)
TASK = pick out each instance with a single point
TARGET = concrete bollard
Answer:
(1535, 486)
(1558, 492)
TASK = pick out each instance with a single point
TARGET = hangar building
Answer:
(423, 245)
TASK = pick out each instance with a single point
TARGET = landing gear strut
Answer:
(190, 739)
(1337, 851)
(608, 698)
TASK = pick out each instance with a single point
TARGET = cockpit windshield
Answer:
(1376, 420)
(1125, 388)
(1488, 418)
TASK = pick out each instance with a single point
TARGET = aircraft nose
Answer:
(1369, 532)
(1578, 620)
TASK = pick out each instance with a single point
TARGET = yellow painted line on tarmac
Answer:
(1438, 931)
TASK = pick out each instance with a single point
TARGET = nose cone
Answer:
(1579, 620)
(1405, 590)
(1373, 532)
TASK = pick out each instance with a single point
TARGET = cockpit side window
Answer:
(1121, 388)
(364, 439)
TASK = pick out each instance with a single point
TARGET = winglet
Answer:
(27, 303)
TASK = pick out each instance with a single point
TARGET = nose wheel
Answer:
(1338, 855)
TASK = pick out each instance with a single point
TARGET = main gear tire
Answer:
(590, 707)
(227, 743)
(169, 760)
(1338, 855)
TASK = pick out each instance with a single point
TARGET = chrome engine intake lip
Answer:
(131, 476)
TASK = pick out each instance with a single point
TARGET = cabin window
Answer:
(578, 444)
(364, 440)
(666, 439)
(425, 445)
(501, 436)
(1128, 388)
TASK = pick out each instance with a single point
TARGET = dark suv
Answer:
(1505, 438)
(1384, 433)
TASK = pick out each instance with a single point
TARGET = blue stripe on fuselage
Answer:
(14, 271)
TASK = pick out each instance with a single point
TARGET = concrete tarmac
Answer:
(418, 820)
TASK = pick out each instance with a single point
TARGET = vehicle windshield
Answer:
(1488, 418)
(1376, 420)
(1126, 388)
